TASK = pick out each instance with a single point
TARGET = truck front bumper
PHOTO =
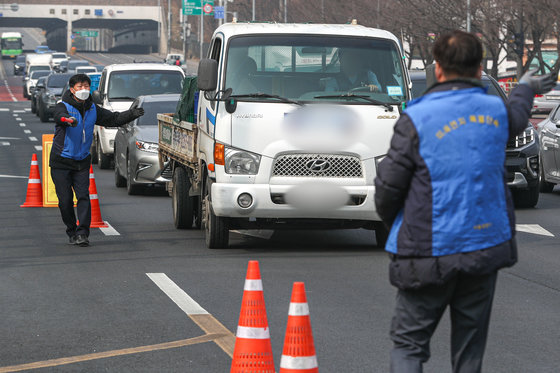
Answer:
(268, 202)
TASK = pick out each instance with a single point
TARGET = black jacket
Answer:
(105, 118)
(394, 174)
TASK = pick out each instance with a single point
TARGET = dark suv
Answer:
(51, 95)
(522, 152)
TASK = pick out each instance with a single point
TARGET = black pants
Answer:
(417, 314)
(65, 181)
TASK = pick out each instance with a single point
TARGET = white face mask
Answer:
(82, 94)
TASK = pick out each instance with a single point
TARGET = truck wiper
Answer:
(121, 98)
(266, 95)
(363, 97)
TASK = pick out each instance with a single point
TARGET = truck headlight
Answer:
(147, 146)
(241, 162)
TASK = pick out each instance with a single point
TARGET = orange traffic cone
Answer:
(252, 352)
(34, 197)
(96, 221)
(299, 350)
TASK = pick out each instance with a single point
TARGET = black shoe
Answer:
(72, 240)
(82, 240)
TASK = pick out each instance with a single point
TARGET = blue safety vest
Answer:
(77, 141)
(462, 140)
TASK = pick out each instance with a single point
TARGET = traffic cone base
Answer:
(96, 221)
(252, 352)
(34, 196)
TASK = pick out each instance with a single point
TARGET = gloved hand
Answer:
(540, 84)
(137, 112)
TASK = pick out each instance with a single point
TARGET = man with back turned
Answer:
(442, 190)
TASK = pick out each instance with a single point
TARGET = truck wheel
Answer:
(526, 198)
(131, 188)
(103, 161)
(381, 234)
(182, 203)
(216, 227)
(546, 187)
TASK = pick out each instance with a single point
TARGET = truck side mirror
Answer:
(207, 74)
(97, 98)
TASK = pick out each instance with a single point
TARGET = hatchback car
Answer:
(136, 144)
(549, 137)
(19, 64)
(522, 152)
(36, 92)
(52, 93)
(547, 102)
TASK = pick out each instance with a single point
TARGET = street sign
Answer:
(219, 12)
(88, 33)
(193, 7)
(207, 9)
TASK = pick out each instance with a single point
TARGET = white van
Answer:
(119, 86)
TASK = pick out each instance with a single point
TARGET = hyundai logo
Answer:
(318, 165)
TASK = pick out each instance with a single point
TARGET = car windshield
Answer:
(151, 110)
(39, 73)
(57, 80)
(127, 85)
(74, 64)
(302, 67)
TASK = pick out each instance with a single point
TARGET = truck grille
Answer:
(317, 165)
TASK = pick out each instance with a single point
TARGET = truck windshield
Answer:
(308, 68)
(127, 85)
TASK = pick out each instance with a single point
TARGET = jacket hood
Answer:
(68, 97)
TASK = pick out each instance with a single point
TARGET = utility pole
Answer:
(201, 29)
(468, 15)
(168, 26)
(285, 11)
(253, 10)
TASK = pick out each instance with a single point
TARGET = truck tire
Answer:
(381, 234)
(103, 161)
(183, 207)
(215, 227)
(526, 198)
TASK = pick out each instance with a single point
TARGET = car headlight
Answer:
(147, 146)
(241, 162)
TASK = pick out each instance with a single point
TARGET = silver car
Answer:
(549, 136)
(547, 102)
(136, 144)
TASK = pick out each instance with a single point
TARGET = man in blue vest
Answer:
(70, 159)
(442, 191)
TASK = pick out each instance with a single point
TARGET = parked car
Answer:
(19, 64)
(51, 95)
(119, 86)
(31, 79)
(547, 102)
(136, 144)
(72, 64)
(549, 138)
(36, 92)
(522, 152)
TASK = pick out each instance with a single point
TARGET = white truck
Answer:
(289, 125)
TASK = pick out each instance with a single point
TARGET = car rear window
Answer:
(57, 80)
(38, 74)
(151, 110)
(127, 85)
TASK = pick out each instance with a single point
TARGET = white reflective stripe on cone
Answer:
(253, 285)
(298, 309)
(93, 196)
(298, 362)
(34, 163)
(252, 333)
(91, 176)
(34, 181)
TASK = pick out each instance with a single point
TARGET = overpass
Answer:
(139, 21)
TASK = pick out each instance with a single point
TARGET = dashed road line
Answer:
(17, 118)
(4, 109)
(534, 229)
(33, 138)
(9, 138)
(109, 231)
(22, 124)
(19, 111)
(196, 313)
(4, 143)
(39, 148)
(13, 177)
(26, 131)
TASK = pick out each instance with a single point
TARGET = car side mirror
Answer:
(39, 85)
(207, 74)
(97, 97)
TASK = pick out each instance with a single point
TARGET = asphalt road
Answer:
(59, 301)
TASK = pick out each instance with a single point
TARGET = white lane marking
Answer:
(109, 231)
(177, 295)
(39, 148)
(4, 143)
(4, 109)
(33, 138)
(27, 110)
(534, 229)
(17, 118)
(14, 177)
(26, 131)
(15, 115)
(19, 111)
(9, 138)
(22, 124)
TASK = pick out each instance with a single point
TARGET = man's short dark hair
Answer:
(458, 52)
(79, 78)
